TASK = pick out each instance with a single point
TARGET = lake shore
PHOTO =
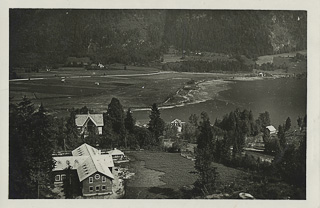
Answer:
(201, 91)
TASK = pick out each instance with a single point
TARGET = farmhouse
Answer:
(89, 123)
(93, 170)
(178, 124)
(271, 129)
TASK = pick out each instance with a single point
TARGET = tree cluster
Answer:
(223, 142)
(209, 66)
(30, 150)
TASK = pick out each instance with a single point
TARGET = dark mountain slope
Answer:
(127, 36)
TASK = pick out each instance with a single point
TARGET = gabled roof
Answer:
(177, 121)
(85, 150)
(63, 162)
(271, 128)
(87, 160)
(97, 119)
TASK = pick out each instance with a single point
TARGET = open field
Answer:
(137, 87)
(170, 169)
(268, 58)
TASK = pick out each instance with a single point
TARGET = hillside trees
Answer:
(30, 150)
(118, 37)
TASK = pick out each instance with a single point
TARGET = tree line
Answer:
(209, 66)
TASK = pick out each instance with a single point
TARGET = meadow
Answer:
(173, 170)
(135, 87)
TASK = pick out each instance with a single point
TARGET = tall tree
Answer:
(204, 154)
(288, 124)
(72, 137)
(115, 115)
(129, 121)
(300, 122)
(31, 148)
(156, 124)
(281, 136)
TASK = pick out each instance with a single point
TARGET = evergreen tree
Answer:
(300, 122)
(264, 120)
(281, 136)
(71, 185)
(31, 148)
(129, 121)
(288, 124)
(204, 154)
(115, 115)
(156, 124)
(72, 138)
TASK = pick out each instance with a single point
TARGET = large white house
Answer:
(94, 170)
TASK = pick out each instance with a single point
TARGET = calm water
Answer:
(282, 98)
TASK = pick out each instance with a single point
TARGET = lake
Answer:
(282, 98)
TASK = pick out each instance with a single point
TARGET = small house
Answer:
(89, 123)
(93, 169)
(271, 129)
(178, 124)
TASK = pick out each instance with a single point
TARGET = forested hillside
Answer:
(141, 36)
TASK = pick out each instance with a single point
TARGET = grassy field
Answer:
(172, 170)
(134, 87)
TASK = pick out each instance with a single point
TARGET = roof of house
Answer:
(87, 160)
(63, 162)
(177, 121)
(92, 165)
(97, 119)
(271, 128)
(115, 151)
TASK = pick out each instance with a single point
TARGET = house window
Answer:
(57, 178)
(104, 179)
(90, 179)
(63, 176)
(91, 188)
(97, 188)
(103, 187)
(97, 176)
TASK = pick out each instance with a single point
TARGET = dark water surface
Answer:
(282, 98)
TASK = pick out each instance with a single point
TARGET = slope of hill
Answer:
(39, 36)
